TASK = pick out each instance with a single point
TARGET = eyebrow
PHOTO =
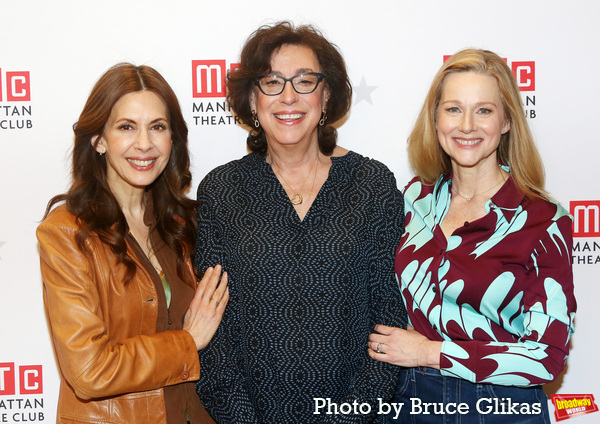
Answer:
(476, 104)
(163, 118)
(134, 121)
(298, 71)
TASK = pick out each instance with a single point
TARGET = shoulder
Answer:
(416, 189)
(363, 168)
(60, 217)
(415, 182)
(536, 218)
(231, 173)
(250, 161)
(360, 177)
(545, 212)
(59, 227)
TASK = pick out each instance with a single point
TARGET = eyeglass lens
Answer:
(302, 83)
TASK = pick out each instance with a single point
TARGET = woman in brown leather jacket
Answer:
(125, 312)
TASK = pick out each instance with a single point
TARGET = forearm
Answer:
(138, 364)
(508, 364)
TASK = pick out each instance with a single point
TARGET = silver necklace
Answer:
(468, 199)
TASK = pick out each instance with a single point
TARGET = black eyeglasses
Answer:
(304, 83)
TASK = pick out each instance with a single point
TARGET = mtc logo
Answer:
(524, 73)
(586, 218)
(15, 85)
(208, 77)
(30, 379)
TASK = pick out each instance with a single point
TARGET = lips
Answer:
(289, 116)
(468, 141)
(142, 163)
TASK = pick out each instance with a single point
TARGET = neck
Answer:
(132, 202)
(469, 183)
(290, 158)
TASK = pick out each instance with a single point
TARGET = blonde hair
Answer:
(516, 149)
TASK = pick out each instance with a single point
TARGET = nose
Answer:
(143, 141)
(467, 123)
(288, 95)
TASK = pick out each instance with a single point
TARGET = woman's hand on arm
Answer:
(406, 348)
(207, 307)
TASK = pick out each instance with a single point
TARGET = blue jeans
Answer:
(429, 397)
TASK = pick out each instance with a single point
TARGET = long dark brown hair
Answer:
(255, 61)
(90, 198)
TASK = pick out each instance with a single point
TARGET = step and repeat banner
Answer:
(51, 54)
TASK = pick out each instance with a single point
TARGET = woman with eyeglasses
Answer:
(306, 231)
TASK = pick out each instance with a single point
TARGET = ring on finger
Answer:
(379, 348)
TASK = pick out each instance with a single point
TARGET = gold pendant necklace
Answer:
(296, 198)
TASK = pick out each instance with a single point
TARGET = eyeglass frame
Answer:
(320, 77)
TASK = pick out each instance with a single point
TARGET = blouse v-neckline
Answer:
(280, 194)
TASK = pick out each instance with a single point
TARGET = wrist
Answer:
(429, 354)
(419, 360)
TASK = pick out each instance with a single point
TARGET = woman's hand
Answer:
(206, 309)
(407, 348)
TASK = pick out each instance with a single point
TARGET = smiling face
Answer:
(290, 118)
(471, 119)
(136, 140)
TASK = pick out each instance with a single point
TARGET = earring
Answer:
(323, 118)
(255, 119)
(101, 153)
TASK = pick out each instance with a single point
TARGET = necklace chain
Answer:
(468, 199)
(297, 198)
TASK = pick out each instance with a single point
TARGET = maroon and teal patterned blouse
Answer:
(498, 293)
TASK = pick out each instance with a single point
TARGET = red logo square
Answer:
(524, 73)
(208, 78)
(586, 218)
(30, 379)
(7, 378)
(17, 87)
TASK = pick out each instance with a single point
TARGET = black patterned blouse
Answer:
(305, 295)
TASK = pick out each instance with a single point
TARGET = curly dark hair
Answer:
(90, 198)
(255, 61)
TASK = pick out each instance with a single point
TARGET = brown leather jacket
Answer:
(104, 333)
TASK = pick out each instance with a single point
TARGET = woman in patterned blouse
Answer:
(485, 261)
(306, 231)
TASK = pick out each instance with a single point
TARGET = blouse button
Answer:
(434, 289)
(435, 327)
(185, 375)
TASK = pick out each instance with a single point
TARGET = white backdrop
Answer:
(51, 53)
